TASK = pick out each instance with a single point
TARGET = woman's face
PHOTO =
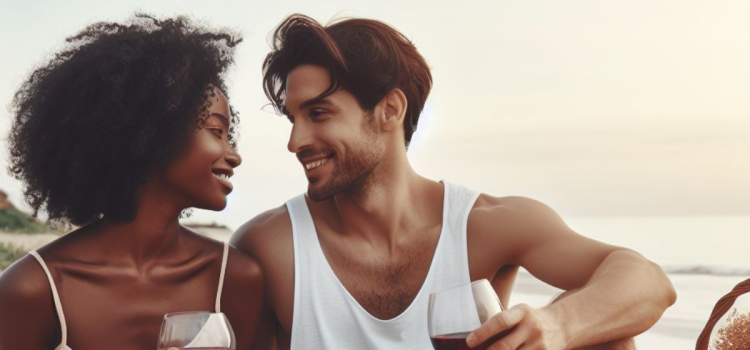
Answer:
(201, 174)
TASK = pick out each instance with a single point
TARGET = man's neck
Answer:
(387, 206)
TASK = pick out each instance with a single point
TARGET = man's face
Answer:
(335, 140)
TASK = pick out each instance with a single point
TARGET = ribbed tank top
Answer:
(326, 316)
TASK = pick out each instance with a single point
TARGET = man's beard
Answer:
(354, 172)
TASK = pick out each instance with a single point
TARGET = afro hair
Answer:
(113, 108)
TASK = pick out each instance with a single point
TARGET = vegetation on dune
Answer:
(15, 221)
(9, 254)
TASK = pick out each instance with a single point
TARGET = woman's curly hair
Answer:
(111, 110)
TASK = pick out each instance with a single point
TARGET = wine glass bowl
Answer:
(454, 313)
(196, 330)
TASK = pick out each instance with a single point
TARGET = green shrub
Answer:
(14, 220)
(9, 254)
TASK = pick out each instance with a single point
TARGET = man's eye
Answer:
(315, 113)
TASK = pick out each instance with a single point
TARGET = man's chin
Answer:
(318, 191)
(317, 195)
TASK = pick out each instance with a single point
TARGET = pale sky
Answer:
(597, 108)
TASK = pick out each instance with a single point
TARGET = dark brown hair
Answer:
(365, 57)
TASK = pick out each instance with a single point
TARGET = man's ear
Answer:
(392, 110)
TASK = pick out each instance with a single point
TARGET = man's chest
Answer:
(383, 282)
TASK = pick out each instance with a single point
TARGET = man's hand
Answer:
(530, 329)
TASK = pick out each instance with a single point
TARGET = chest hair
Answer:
(385, 287)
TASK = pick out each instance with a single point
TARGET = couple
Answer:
(131, 125)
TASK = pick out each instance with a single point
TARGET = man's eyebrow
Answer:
(311, 102)
(315, 101)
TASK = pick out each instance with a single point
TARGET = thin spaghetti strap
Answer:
(221, 276)
(58, 305)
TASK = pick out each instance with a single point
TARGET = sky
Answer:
(631, 108)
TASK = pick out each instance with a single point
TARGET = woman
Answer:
(119, 134)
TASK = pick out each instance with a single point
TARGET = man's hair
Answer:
(111, 110)
(365, 57)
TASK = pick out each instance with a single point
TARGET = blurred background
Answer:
(631, 119)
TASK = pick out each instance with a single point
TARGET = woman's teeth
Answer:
(313, 165)
(224, 177)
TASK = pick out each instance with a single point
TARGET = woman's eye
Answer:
(218, 131)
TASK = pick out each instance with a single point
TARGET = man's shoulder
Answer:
(513, 206)
(512, 214)
(267, 228)
(269, 222)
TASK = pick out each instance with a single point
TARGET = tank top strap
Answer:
(302, 222)
(58, 305)
(221, 276)
(452, 259)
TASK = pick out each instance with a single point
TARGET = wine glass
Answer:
(196, 330)
(454, 313)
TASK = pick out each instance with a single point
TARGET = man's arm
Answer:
(619, 293)
(267, 238)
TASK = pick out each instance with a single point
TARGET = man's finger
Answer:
(513, 340)
(498, 323)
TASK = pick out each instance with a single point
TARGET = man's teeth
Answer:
(313, 165)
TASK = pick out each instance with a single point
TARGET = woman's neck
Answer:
(153, 233)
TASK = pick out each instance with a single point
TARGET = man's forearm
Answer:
(626, 295)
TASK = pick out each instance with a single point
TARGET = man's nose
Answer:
(300, 138)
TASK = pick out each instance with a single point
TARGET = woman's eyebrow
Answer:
(223, 118)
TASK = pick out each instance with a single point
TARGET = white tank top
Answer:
(326, 316)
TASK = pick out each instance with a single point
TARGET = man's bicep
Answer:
(542, 243)
(566, 262)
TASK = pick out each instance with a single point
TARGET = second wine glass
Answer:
(454, 313)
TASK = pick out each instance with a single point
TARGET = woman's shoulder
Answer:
(24, 281)
(26, 302)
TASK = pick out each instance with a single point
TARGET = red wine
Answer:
(457, 341)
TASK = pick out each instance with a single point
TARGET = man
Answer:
(351, 265)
